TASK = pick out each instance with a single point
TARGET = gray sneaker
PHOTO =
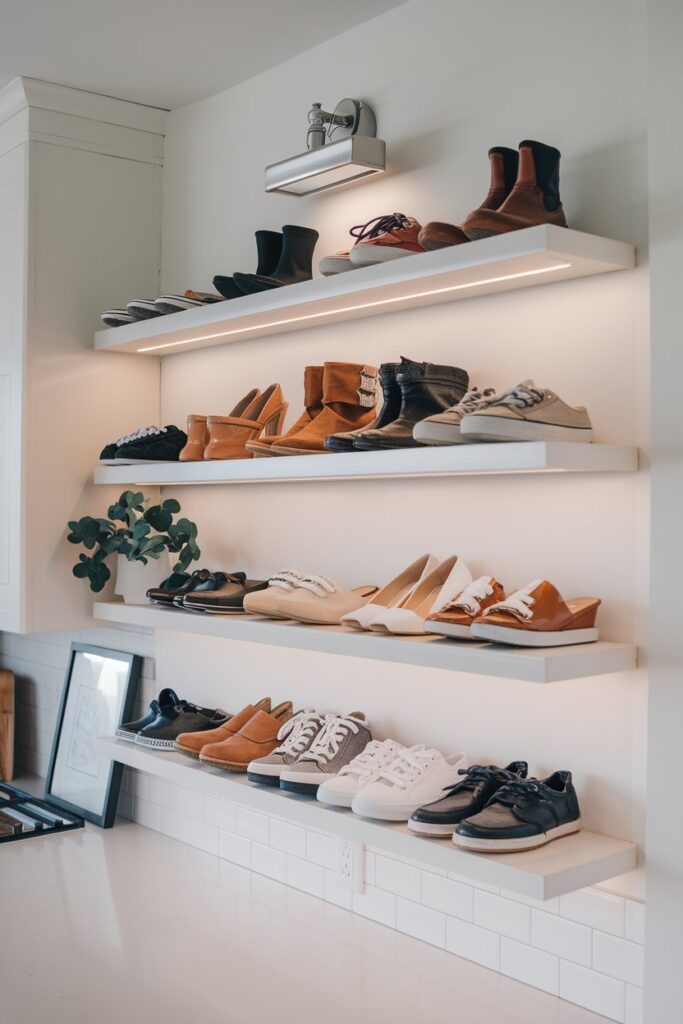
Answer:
(341, 738)
(444, 427)
(527, 413)
(296, 735)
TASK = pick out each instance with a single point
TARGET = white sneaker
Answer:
(341, 788)
(416, 777)
(434, 591)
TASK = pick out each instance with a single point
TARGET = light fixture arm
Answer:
(350, 117)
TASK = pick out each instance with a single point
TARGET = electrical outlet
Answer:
(350, 862)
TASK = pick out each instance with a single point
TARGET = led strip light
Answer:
(362, 305)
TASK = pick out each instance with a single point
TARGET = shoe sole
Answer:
(333, 265)
(384, 813)
(369, 255)
(517, 845)
(439, 433)
(497, 428)
(451, 630)
(145, 741)
(186, 750)
(226, 766)
(424, 828)
(339, 801)
(301, 451)
(264, 780)
(123, 734)
(533, 638)
(140, 462)
(302, 788)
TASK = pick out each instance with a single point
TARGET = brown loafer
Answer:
(192, 743)
(257, 738)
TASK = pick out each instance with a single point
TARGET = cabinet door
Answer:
(13, 249)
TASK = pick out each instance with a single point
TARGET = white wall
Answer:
(447, 81)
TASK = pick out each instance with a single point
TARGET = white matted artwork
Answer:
(99, 692)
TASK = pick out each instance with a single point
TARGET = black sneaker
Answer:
(523, 815)
(177, 585)
(464, 798)
(164, 446)
(108, 453)
(185, 717)
(166, 701)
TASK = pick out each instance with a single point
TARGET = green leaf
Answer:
(171, 505)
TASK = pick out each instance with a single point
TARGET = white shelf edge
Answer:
(548, 665)
(534, 256)
(560, 867)
(450, 460)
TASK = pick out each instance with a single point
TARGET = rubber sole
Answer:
(186, 750)
(264, 780)
(226, 766)
(384, 813)
(533, 638)
(303, 788)
(452, 630)
(517, 845)
(330, 266)
(145, 741)
(435, 434)
(425, 828)
(301, 451)
(499, 428)
(123, 734)
(340, 801)
(370, 255)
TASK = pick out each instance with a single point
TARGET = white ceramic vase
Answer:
(134, 579)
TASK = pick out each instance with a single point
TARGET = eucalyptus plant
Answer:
(146, 532)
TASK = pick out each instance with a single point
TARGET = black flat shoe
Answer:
(465, 798)
(166, 701)
(162, 733)
(226, 597)
(177, 585)
(523, 815)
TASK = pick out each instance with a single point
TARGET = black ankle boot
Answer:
(296, 262)
(426, 389)
(391, 407)
(269, 250)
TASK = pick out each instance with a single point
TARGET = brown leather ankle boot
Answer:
(313, 404)
(349, 396)
(503, 163)
(535, 198)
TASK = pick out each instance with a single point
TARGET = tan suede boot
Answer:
(313, 404)
(349, 397)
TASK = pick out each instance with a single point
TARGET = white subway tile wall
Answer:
(586, 947)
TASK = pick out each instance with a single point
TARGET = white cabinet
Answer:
(79, 231)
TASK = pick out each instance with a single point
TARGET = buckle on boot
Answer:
(367, 392)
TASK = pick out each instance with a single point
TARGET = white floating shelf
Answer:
(560, 867)
(519, 259)
(453, 460)
(549, 665)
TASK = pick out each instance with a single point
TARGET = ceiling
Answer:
(165, 52)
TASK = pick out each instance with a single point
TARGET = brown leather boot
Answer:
(504, 164)
(349, 396)
(313, 404)
(535, 198)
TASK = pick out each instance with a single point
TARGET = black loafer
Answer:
(226, 597)
(464, 799)
(165, 702)
(177, 585)
(523, 815)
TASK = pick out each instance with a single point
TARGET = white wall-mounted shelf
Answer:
(560, 867)
(520, 259)
(549, 665)
(454, 460)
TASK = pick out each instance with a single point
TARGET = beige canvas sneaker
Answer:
(527, 413)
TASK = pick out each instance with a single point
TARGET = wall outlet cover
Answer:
(350, 863)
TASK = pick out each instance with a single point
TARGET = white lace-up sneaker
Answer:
(341, 788)
(416, 777)
(296, 735)
(341, 738)
(527, 413)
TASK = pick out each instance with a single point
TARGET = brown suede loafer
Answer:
(192, 743)
(257, 738)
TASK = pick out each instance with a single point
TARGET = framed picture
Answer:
(99, 694)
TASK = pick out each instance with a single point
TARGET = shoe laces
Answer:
(518, 793)
(380, 226)
(372, 759)
(320, 585)
(471, 597)
(328, 741)
(288, 579)
(475, 398)
(478, 773)
(523, 396)
(520, 603)
(298, 732)
(409, 766)
(140, 432)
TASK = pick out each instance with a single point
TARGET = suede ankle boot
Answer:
(295, 263)
(349, 396)
(391, 407)
(534, 199)
(504, 164)
(269, 250)
(425, 390)
(313, 404)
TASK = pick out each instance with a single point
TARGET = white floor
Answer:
(130, 925)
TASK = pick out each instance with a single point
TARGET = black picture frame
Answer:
(126, 702)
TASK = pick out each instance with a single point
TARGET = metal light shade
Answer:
(326, 167)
